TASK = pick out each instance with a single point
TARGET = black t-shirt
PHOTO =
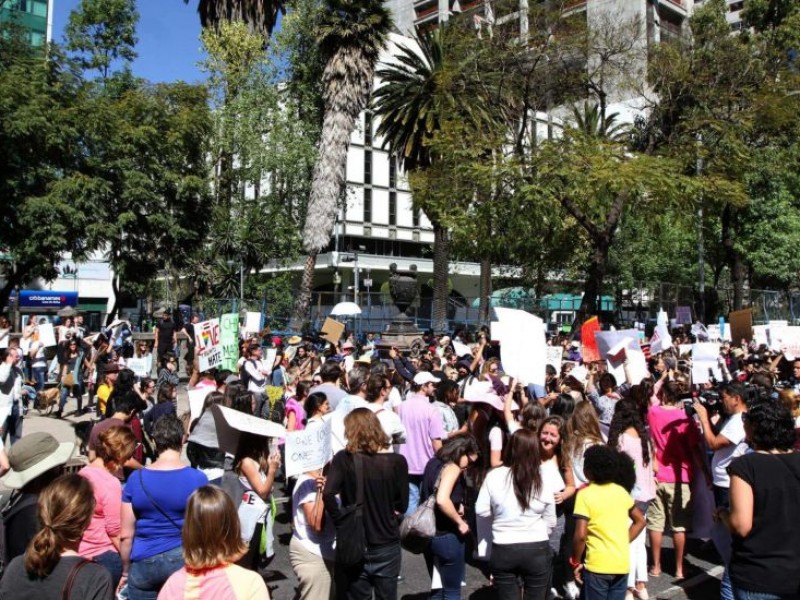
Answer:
(20, 523)
(444, 524)
(385, 493)
(165, 331)
(768, 559)
(93, 582)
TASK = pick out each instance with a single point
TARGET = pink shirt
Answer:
(423, 423)
(105, 522)
(292, 405)
(676, 439)
(229, 582)
(645, 489)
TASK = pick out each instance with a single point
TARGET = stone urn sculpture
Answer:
(403, 289)
(401, 333)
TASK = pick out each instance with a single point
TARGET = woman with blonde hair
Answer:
(51, 566)
(383, 477)
(100, 541)
(211, 546)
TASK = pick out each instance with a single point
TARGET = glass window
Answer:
(392, 208)
(367, 166)
(37, 39)
(39, 8)
(367, 205)
(368, 128)
(392, 171)
(415, 218)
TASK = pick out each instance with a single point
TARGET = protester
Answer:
(101, 540)
(384, 477)
(521, 504)
(377, 394)
(444, 477)
(10, 397)
(330, 374)
(51, 566)
(311, 549)
(71, 376)
(211, 546)
(166, 339)
(153, 506)
(168, 373)
(165, 405)
(603, 511)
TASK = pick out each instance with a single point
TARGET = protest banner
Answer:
(589, 352)
(252, 322)
(522, 345)
(554, 357)
(332, 330)
(617, 346)
(741, 325)
(307, 450)
(661, 338)
(142, 367)
(47, 335)
(761, 334)
(229, 340)
(683, 315)
(232, 423)
(705, 362)
(207, 344)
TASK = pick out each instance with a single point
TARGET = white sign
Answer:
(461, 349)
(142, 367)
(196, 400)
(4, 337)
(47, 335)
(208, 344)
(307, 450)
(554, 356)
(252, 322)
(231, 423)
(523, 348)
(705, 362)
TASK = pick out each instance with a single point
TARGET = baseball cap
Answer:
(424, 377)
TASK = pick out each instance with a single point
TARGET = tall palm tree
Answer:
(351, 35)
(260, 15)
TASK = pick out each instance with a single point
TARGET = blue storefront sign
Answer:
(47, 299)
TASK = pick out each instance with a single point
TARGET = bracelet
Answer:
(574, 563)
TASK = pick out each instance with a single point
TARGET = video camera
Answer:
(709, 398)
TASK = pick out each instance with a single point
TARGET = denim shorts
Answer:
(148, 575)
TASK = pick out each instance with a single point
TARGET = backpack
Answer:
(274, 407)
(245, 377)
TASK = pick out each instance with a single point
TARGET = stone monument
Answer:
(402, 333)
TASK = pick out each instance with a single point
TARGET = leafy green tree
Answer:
(102, 32)
(351, 35)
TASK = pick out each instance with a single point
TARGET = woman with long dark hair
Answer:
(444, 476)
(627, 434)
(521, 504)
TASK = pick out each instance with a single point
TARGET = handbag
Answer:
(351, 540)
(68, 381)
(418, 529)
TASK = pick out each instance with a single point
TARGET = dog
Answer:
(46, 400)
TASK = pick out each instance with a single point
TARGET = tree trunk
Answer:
(115, 307)
(593, 287)
(485, 290)
(301, 305)
(441, 254)
(733, 257)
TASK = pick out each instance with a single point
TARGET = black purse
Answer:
(351, 540)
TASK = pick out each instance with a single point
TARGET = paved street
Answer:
(701, 570)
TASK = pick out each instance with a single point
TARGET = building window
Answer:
(415, 218)
(368, 128)
(367, 166)
(392, 207)
(392, 171)
(367, 205)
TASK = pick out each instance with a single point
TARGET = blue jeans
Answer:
(40, 377)
(76, 391)
(529, 561)
(414, 484)
(597, 586)
(741, 594)
(112, 563)
(13, 425)
(448, 550)
(148, 575)
(378, 572)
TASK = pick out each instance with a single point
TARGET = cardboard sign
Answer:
(208, 344)
(232, 423)
(589, 351)
(332, 330)
(47, 335)
(683, 315)
(229, 339)
(307, 450)
(741, 325)
(252, 322)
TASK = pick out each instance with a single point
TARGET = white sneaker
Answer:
(571, 591)
(552, 594)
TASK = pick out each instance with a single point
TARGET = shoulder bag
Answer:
(418, 529)
(155, 504)
(351, 540)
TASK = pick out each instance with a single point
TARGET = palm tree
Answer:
(351, 36)
(593, 122)
(260, 15)
(409, 105)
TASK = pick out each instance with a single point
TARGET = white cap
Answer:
(424, 377)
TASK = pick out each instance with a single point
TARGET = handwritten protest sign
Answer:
(208, 344)
(252, 322)
(307, 450)
(522, 345)
(142, 367)
(229, 339)
(232, 423)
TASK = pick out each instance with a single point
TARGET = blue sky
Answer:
(169, 38)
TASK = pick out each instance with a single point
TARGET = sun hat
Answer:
(294, 340)
(424, 377)
(34, 454)
(444, 341)
(483, 391)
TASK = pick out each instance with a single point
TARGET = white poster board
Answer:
(705, 361)
(4, 336)
(554, 356)
(231, 423)
(196, 400)
(307, 450)
(461, 349)
(760, 334)
(523, 348)
(252, 322)
(142, 367)
(47, 335)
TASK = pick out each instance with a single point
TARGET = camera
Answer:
(710, 399)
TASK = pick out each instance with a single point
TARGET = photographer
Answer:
(727, 443)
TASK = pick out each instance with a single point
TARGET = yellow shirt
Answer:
(606, 508)
(103, 392)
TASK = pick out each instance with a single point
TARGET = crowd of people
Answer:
(553, 490)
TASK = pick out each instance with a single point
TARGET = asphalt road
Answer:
(702, 566)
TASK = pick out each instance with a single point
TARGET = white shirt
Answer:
(258, 379)
(390, 422)
(322, 543)
(510, 524)
(733, 430)
(336, 420)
